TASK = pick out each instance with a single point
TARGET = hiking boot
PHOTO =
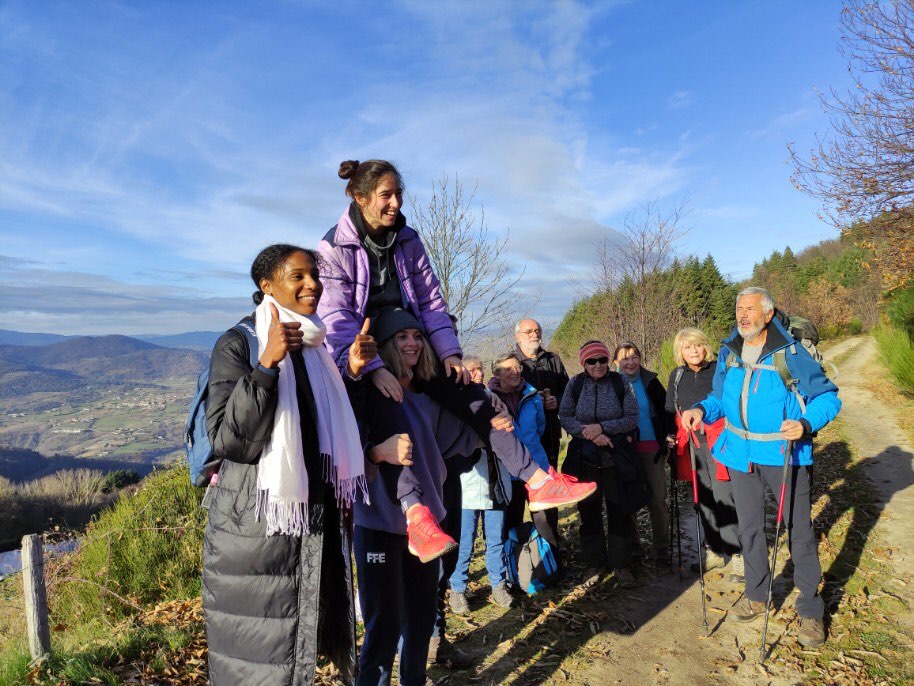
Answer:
(625, 578)
(558, 489)
(737, 570)
(500, 595)
(442, 653)
(711, 561)
(746, 610)
(811, 633)
(459, 604)
(426, 539)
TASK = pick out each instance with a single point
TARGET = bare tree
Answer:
(630, 277)
(863, 170)
(476, 281)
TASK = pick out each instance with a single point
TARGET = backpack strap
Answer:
(619, 387)
(246, 329)
(577, 385)
(676, 379)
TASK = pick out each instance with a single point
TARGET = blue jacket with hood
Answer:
(769, 402)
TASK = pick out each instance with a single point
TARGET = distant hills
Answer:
(78, 361)
(192, 340)
(104, 401)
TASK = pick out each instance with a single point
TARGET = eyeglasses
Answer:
(530, 332)
(509, 370)
(591, 361)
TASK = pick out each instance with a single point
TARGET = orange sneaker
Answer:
(426, 539)
(558, 489)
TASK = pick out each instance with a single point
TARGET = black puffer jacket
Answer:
(270, 603)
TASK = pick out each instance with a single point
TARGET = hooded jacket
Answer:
(265, 599)
(529, 423)
(768, 401)
(546, 371)
(346, 274)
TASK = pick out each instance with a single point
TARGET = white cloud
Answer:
(680, 100)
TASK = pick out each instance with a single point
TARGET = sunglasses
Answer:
(596, 360)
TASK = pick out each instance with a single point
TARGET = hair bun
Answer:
(257, 297)
(347, 168)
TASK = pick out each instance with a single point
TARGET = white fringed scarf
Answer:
(282, 479)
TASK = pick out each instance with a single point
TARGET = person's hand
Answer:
(282, 338)
(396, 450)
(502, 422)
(603, 441)
(363, 350)
(691, 419)
(591, 431)
(550, 402)
(455, 364)
(792, 430)
(671, 441)
(387, 383)
(499, 406)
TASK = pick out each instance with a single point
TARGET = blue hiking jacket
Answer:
(769, 402)
(530, 424)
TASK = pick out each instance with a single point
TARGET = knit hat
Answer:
(390, 322)
(592, 349)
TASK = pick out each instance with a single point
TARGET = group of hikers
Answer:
(359, 430)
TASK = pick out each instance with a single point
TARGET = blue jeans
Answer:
(493, 522)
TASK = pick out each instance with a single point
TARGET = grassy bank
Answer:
(897, 351)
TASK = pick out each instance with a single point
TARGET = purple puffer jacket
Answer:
(345, 273)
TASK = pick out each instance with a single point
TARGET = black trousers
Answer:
(397, 597)
(608, 547)
(749, 496)
(715, 504)
(451, 525)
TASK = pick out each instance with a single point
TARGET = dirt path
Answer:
(653, 634)
(875, 435)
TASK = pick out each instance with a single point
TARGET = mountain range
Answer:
(108, 400)
(192, 340)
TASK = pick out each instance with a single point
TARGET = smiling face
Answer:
(474, 367)
(409, 345)
(380, 208)
(296, 284)
(751, 318)
(629, 362)
(509, 375)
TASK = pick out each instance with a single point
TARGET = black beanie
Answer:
(390, 322)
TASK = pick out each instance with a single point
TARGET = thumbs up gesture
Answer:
(282, 338)
(363, 349)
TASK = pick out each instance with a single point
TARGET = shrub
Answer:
(898, 353)
(118, 479)
(146, 548)
(900, 310)
(854, 327)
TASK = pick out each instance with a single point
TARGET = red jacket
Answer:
(683, 461)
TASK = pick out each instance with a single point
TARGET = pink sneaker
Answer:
(426, 539)
(558, 489)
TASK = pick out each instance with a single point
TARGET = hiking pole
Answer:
(701, 564)
(788, 457)
(678, 528)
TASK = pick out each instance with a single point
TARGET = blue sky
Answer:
(149, 150)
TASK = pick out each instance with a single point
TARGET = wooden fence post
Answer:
(36, 597)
